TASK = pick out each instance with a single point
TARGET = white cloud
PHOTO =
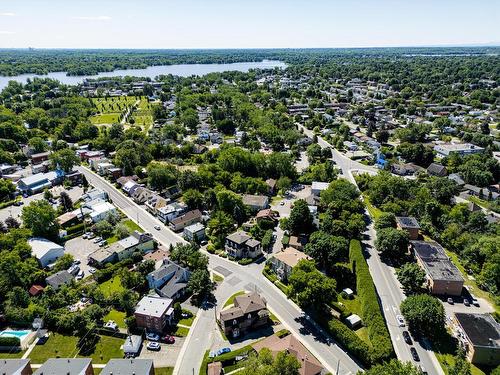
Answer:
(7, 14)
(5, 32)
(93, 18)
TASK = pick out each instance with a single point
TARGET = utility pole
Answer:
(338, 365)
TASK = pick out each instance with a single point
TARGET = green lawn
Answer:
(57, 346)
(132, 226)
(111, 286)
(374, 211)
(117, 316)
(181, 332)
(230, 300)
(188, 321)
(164, 371)
(107, 348)
(363, 335)
(105, 118)
(217, 278)
(11, 355)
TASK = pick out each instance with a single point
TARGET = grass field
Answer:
(181, 332)
(106, 349)
(143, 115)
(57, 346)
(111, 286)
(110, 109)
(164, 371)
(11, 355)
(230, 300)
(117, 316)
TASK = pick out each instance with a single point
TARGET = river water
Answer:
(183, 70)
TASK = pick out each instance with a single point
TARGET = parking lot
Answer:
(15, 211)
(166, 356)
(80, 248)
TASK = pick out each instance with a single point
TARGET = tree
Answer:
(411, 277)
(7, 188)
(218, 227)
(300, 220)
(65, 159)
(424, 313)
(385, 220)
(264, 364)
(460, 366)
(10, 223)
(309, 287)
(382, 136)
(326, 249)
(392, 242)
(199, 283)
(393, 367)
(193, 198)
(40, 218)
(66, 201)
(121, 231)
(161, 176)
(18, 297)
(64, 262)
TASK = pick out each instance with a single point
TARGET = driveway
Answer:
(166, 356)
(81, 249)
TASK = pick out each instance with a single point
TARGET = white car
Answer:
(92, 270)
(401, 321)
(157, 227)
(282, 203)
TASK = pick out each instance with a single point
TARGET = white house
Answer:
(194, 232)
(45, 251)
(317, 187)
(101, 211)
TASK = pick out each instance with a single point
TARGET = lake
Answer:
(183, 70)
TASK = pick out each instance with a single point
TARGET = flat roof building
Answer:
(67, 366)
(443, 276)
(462, 149)
(134, 366)
(481, 338)
(408, 224)
(15, 367)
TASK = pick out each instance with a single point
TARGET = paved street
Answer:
(251, 279)
(384, 277)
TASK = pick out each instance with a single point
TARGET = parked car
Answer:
(450, 301)
(475, 302)
(91, 235)
(407, 337)
(168, 339)
(282, 203)
(110, 324)
(80, 275)
(103, 243)
(223, 350)
(92, 270)
(153, 346)
(97, 239)
(401, 321)
(423, 370)
(414, 354)
(77, 261)
(466, 302)
(152, 337)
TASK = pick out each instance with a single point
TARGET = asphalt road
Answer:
(250, 278)
(386, 283)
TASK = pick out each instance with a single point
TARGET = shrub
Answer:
(9, 341)
(370, 308)
(78, 228)
(245, 261)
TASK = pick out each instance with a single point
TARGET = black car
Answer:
(407, 338)
(414, 354)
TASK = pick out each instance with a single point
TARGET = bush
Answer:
(9, 341)
(245, 261)
(78, 228)
(370, 308)
(349, 340)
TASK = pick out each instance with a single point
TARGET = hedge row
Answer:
(370, 308)
(348, 339)
(226, 358)
(9, 341)
(77, 228)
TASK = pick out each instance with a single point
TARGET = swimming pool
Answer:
(21, 334)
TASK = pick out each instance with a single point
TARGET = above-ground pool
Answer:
(21, 334)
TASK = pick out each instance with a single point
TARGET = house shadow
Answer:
(253, 335)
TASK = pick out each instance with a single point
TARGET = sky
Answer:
(247, 23)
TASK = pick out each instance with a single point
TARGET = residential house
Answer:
(141, 195)
(271, 183)
(70, 366)
(297, 242)
(309, 365)
(267, 214)
(256, 202)
(169, 280)
(240, 245)
(68, 219)
(135, 366)
(247, 313)
(443, 277)
(35, 290)
(181, 222)
(154, 203)
(457, 178)
(480, 336)
(438, 170)
(15, 367)
(101, 211)
(114, 173)
(104, 167)
(482, 193)
(283, 262)
(59, 279)
(154, 313)
(94, 194)
(194, 232)
(410, 225)
(123, 249)
(317, 187)
(171, 211)
(462, 149)
(45, 251)
(215, 368)
(40, 157)
(6, 169)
